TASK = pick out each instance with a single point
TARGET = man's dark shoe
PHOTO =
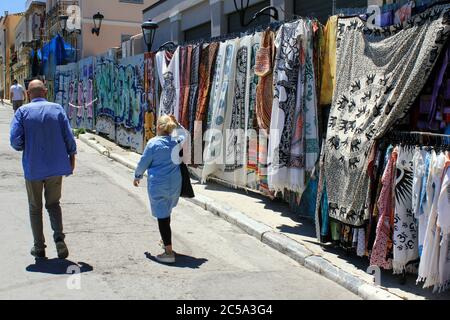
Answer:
(62, 250)
(37, 253)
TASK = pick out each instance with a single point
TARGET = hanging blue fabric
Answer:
(307, 205)
(325, 218)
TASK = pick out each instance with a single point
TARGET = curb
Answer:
(285, 245)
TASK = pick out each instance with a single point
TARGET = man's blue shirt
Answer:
(42, 131)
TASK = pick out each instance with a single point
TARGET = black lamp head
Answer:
(98, 18)
(148, 31)
(63, 22)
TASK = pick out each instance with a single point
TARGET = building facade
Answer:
(8, 24)
(28, 34)
(188, 20)
(122, 19)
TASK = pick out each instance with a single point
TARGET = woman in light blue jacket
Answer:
(162, 160)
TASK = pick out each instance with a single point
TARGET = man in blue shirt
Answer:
(42, 131)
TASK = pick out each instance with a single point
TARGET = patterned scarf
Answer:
(221, 96)
(375, 87)
(285, 109)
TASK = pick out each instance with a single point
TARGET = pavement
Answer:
(274, 224)
(113, 239)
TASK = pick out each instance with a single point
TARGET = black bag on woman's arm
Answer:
(186, 187)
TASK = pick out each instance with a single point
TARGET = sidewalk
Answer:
(273, 224)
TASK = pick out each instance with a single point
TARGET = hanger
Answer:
(168, 46)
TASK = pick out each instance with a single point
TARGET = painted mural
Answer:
(112, 97)
(65, 76)
(74, 90)
(131, 103)
(107, 96)
(85, 99)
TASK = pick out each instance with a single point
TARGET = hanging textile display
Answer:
(293, 129)
(429, 268)
(207, 69)
(443, 223)
(329, 62)
(222, 93)
(185, 78)
(310, 104)
(236, 156)
(168, 65)
(405, 230)
(252, 123)
(382, 248)
(194, 84)
(375, 86)
(150, 89)
(265, 63)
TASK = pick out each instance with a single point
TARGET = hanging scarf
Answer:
(444, 225)
(185, 76)
(310, 108)
(383, 241)
(285, 109)
(252, 124)
(264, 65)
(241, 115)
(194, 83)
(375, 87)
(328, 62)
(405, 229)
(220, 106)
(236, 142)
(169, 77)
(264, 69)
(429, 264)
(207, 65)
(193, 100)
(206, 71)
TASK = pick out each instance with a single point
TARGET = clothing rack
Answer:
(169, 45)
(385, 8)
(428, 139)
(272, 25)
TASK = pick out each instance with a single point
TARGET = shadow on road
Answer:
(58, 266)
(182, 261)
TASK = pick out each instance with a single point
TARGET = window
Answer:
(202, 31)
(234, 22)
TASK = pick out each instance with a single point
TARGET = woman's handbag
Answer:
(186, 186)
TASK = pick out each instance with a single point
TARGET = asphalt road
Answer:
(112, 239)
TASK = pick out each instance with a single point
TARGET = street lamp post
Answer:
(98, 18)
(149, 31)
(63, 24)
